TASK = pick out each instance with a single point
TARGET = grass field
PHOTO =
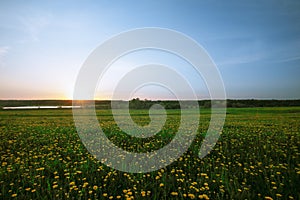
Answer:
(256, 157)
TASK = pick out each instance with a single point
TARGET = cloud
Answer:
(33, 25)
(287, 59)
(3, 53)
(244, 59)
(240, 59)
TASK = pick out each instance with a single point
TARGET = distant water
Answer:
(38, 107)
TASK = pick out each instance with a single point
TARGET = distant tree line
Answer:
(136, 103)
(261, 103)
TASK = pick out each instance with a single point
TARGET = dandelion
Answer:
(192, 196)
(174, 193)
(14, 195)
(72, 183)
(268, 198)
(85, 184)
(203, 196)
(40, 169)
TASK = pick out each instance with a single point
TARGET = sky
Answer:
(255, 45)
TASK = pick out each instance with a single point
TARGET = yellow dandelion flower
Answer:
(205, 196)
(143, 193)
(161, 185)
(72, 183)
(174, 193)
(95, 187)
(268, 198)
(85, 184)
(104, 194)
(14, 195)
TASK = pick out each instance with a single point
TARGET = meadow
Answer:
(256, 157)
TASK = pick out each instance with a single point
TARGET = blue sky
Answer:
(255, 45)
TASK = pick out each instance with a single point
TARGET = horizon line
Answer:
(150, 99)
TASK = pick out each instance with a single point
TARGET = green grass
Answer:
(257, 156)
